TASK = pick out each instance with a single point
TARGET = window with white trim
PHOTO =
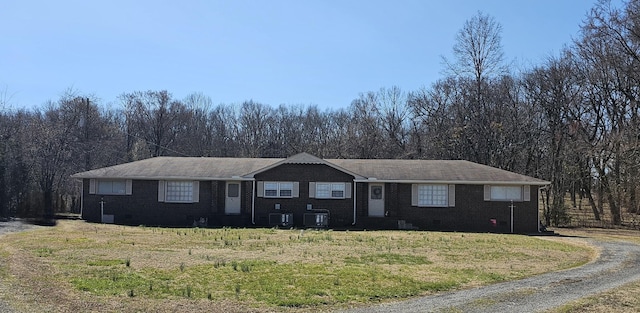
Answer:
(433, 195)
(330, 190)
(278, 189)
(112, 187)
(179, 191)
(285, 189)
(506, 193)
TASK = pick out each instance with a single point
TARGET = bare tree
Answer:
(433, 118)
(555, 90)
(365, 131)
(4, 138)
(51, 151)
(153, 121)
(336, 142)
(225, 131)
(478, 50)
(254, 121)
(5, 99)
(15, 144)
(609, 52)
(478, 66)
(194, 137)
(393, 113)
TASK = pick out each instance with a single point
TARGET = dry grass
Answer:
(78, 266)
(581, 216)
(620, 300)
(623, 299)
(602, 234)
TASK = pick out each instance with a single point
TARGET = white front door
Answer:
(376, 199)
(232, 199)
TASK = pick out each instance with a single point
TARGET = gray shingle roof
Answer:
(446, 171)
(433, 170)
(181, 168)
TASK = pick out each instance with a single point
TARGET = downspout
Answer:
(253, 202)
(355, 187)
(81, 197)
(538, 207)
(102, 210)
(511, 207)
(538, 210)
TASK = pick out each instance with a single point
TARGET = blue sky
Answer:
(275, 52)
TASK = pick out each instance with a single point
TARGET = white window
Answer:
(337, 190)
(285, 189)
(112, 187)
(179, 191)
(323, 190)
(433, 195)
(278, 189)
(270, 190)
(506, 193)
(330, 190)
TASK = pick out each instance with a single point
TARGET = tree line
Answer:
(572, 120)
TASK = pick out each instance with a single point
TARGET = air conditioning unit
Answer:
(281, 219)
(317, 220)
(108, 218)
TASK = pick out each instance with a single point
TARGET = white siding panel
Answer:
(347, 190)
(196, 191)
(295, 193)
(92, 186)
(312, 189)
(452, 195)
(161, 191)
(414, 194)
(260, 192)
(487, 193)
(128, 187)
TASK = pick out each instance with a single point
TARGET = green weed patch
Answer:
(288, 269)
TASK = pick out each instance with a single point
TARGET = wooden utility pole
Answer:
(87, 156)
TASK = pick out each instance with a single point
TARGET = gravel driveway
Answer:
(5, 228)
(618, 264)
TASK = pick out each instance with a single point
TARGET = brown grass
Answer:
(623, 299)
(41, 269)
(581, 216)
(620, 300)
(602, 234)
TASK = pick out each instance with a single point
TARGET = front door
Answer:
(376, 200)
(232, 200)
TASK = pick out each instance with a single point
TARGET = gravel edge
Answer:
(617, 265)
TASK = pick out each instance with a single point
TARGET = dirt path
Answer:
(618, 264)
(5, 228)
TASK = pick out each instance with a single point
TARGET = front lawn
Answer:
(78, 266)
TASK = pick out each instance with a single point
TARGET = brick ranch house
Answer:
(306, 191)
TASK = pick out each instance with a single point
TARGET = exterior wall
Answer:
(142, 206)
(217, 202)
(471, 212)
(218, 217)
(247, 197)
(341, 210)
(362, 203)
(393, 203)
